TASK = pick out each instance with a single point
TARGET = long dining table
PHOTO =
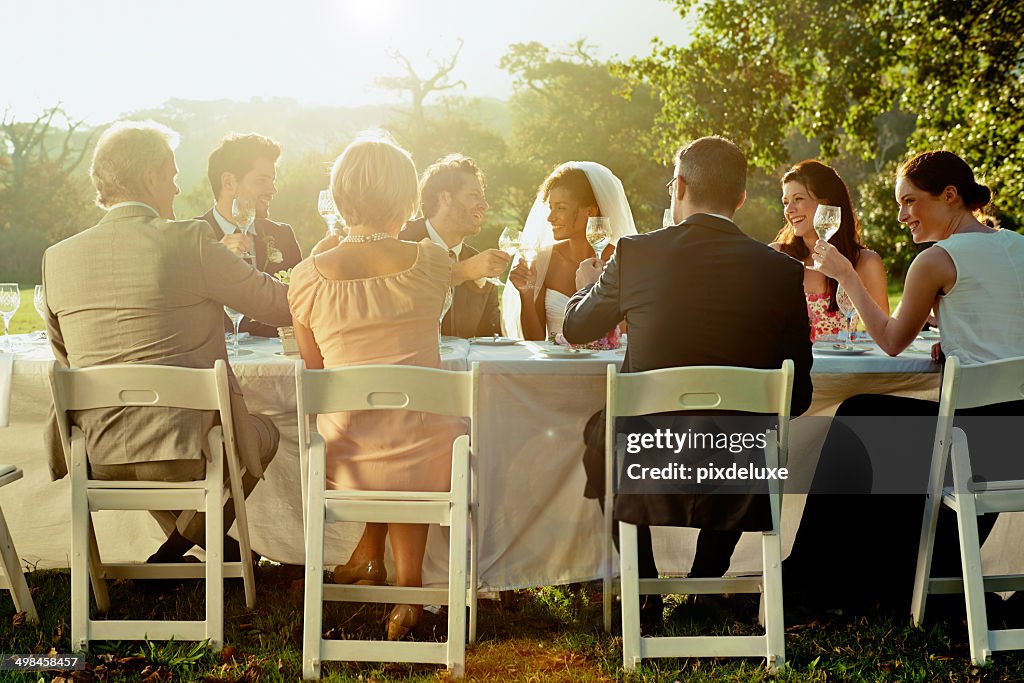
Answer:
(535, 527)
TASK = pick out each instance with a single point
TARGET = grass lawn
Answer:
(546, 634)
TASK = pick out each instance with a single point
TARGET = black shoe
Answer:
(172, 550)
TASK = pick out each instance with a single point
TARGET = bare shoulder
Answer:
(869, 258)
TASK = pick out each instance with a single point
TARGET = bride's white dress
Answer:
(554, 310)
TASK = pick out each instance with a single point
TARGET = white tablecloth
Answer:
(536, 527)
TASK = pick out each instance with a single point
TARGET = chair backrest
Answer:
(138, 385)
(701, 388)
(973, 386)
(387, 387)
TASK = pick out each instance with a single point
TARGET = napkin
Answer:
(6, 370)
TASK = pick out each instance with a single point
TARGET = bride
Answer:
(557, 226)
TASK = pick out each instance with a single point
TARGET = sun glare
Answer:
(368, 14)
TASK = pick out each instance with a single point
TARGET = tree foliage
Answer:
(569, 106)
(850, 75)
(44, 192)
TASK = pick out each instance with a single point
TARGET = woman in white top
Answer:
(557, 226)
(973, 279)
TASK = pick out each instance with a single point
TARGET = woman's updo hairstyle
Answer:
(934, 171)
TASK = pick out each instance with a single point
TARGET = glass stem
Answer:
(235, 339)
(7, 336)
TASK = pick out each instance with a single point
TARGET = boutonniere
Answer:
(274, 254)
(284, 276)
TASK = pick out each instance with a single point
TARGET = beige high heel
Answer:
(372, 573)
(402, 620)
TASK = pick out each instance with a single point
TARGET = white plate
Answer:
(293, 356)
(241, 352)
(493, 341)
(566, 352)
(841, 349)
(932, 334)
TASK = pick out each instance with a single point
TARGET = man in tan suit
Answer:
(452, 194)
(140, 287)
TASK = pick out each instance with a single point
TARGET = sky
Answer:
(104, 58)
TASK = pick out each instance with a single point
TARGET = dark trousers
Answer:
(857, 549)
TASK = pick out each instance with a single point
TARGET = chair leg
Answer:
(774, 626)
(629, 576)
(925, 551)
(970, 553)
(313, 598)
(215, 555)
(15, 578)
(242, 524)
(606, 586)
(457, 561)
(80, 564)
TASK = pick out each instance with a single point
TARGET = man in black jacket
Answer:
(698, 293)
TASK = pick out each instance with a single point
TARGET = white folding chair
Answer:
(966, 387)
(386, 387)
(15, 579)
(698, 388)
(142, 386)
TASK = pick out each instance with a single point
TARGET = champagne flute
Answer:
(10, 300)
(529, 246)
(508, 242)
(666, 219)
(846, 307)
(328, 210)
(39, 301)
(236, 319)
(826, 221)
(443, 348)
(599, 234)
(243, 213)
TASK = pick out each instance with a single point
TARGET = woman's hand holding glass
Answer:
(830, 262)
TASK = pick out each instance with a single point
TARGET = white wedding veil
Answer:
(611, 201)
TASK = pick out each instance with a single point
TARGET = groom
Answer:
(452, 197)
(698, 293)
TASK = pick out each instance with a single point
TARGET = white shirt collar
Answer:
(436, 239)
(226, 226)
(121, 205)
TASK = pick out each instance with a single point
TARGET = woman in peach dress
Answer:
(374, 299)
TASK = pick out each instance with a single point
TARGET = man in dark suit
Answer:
(243, 166)
(698, 293)
(452, 195)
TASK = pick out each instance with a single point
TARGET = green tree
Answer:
(569, 106)
(45, 194)
(866, 80)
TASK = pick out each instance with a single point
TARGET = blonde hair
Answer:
(374, 182)
(123, 153)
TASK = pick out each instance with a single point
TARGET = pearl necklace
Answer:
(375, 237)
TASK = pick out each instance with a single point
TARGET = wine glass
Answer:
(599, 234)
(826, 220)
(236, 319)
(529, 246)
(243, 213)
(39, 301)
(666, 219)
(328, 210)
(443, 348)
(508, 242)
(846, 307)
(10, 300)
